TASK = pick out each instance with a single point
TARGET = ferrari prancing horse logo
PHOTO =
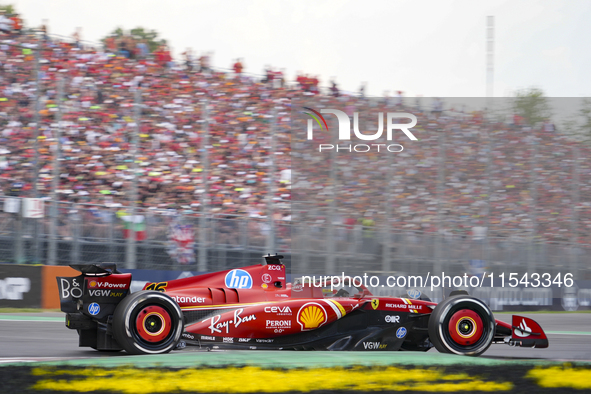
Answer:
(374, 303)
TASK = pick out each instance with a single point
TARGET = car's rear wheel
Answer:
(462, 325)
(148, 322)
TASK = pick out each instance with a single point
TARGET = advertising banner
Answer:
(33, 208)
(20, 286)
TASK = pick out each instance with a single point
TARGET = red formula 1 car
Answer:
(254, 308)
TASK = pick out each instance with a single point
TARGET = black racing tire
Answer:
(157, 332)
(472, 322)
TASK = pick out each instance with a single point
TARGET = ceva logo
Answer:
(345, 129)
(238, 279)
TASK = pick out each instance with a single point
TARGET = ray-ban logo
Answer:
(344, 133)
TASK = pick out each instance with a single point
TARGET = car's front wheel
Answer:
(148, 322)
(462, 325)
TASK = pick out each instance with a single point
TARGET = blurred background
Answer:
(117, 147)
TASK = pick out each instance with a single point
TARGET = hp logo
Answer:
(94, 309)
(238, 279)
(401, 332)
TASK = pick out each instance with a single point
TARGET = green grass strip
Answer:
(32, 318)
(26, 310)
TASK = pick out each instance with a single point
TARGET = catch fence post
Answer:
(131, 251)
(271, 236)
(387, 235)
(52, 255)
(202, 263)
(36, 248)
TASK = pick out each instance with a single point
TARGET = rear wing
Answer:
(96, 292)
(96, 269)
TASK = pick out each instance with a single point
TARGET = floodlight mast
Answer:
(490, 59)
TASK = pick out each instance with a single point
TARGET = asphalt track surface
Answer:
(43, 337)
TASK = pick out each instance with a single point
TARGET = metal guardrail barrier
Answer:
(91, 233)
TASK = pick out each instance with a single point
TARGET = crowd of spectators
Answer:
(438, 183)
(10, 23)
(525, 182)
(98, 121)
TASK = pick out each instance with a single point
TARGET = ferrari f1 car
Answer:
(255, 308)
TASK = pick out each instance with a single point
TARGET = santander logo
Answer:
(523, 330)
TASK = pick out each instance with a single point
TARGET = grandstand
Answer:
(527, 191)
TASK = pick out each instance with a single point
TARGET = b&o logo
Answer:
(70, 288)
(345, 130)
(238, 279)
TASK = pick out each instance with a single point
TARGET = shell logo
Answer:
(92, 283)
(311, 316)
